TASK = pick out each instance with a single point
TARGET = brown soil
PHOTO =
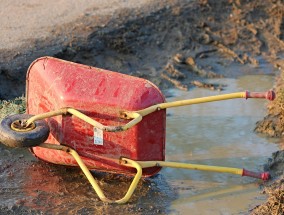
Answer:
(273, 124)
(66, 189)
(275, 201)
(181, 45)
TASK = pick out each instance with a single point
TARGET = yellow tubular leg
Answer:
(95, 185)
(124, 161)
(154, 108)
(133, 164)
(89, 175)
(136, 118)
(58, 112)
(145, 164)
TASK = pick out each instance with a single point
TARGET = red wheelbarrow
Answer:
(96, 119)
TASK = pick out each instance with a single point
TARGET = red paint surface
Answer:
(100, 94)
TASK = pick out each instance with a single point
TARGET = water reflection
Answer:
(218, 133)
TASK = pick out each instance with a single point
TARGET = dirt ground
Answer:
(33, 29)
(180, 44)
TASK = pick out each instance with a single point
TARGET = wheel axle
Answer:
(21, 126)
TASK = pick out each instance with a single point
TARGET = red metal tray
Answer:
(100, 94)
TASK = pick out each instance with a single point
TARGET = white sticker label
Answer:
(98, 137)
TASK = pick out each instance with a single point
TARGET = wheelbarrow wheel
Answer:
(14, 134)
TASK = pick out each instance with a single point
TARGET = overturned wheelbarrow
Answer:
(96, 119)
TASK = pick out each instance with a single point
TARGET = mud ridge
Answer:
(129, 41)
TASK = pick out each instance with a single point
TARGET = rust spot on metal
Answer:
(123, 115)
(113, 128)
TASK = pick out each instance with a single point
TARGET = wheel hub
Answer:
(20, 125)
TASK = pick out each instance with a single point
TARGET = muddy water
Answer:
(218, 133)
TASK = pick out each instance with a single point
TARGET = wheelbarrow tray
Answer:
(52, 84)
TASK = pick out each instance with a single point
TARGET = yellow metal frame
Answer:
(136, 117)
(86, 171)
(161, 106)
(138, 165)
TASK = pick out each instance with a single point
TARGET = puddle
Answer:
(217, 133)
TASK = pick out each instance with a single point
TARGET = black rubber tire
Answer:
(12, 138)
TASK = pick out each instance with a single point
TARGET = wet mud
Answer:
(36, 187)
(188, 40)
(181, 45)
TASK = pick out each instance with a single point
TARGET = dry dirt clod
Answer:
(228, 51)
(174, 72)
(190, 61)
(206, 85)
(249, 59)
(178, 58)
(204, 53)
(204, 39)
(200, 72)
(175, 82)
